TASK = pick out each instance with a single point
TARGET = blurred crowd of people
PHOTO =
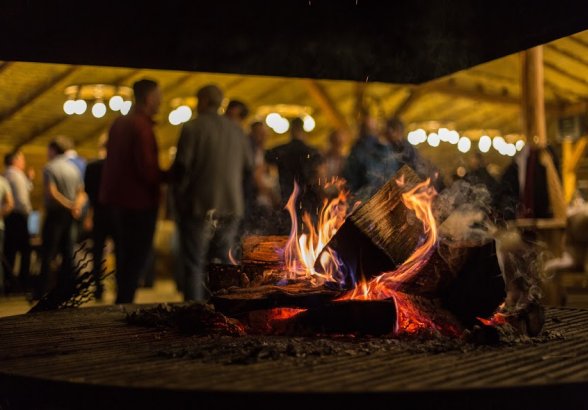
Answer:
(222, 184)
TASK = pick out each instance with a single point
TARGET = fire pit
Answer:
(91, 358)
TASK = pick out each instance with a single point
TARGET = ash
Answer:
(211, 337)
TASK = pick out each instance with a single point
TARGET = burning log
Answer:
(361, 317)
(222, 276)
(266, 250)
(297, 295)
(380, 234)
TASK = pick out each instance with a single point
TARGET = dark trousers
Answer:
(133, 239)
(198, 236)
(18, 242)
(102, 228)
(56, 241)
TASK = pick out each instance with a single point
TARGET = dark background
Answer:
(378, 40)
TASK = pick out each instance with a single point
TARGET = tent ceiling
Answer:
(485, 96)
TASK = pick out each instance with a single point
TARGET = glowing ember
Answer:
(302, 251)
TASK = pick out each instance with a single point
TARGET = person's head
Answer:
(258, 133)
(368, 126)
(297, 128)
(237, 111)
(15, 159)
(336, 140)
(394, 130)
(477, 161)
(58, 146)
(209, 98)
(147, 96)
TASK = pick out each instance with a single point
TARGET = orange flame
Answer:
(232, 258)
(302, 251)
(409, 318)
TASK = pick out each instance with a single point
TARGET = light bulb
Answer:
(126, 107)
(433, 139)
(309, 123)
(80, 106)
(116, 103)
(485, 143)
(464, 144)
(99, 109)
(69, 107)
(281, 126)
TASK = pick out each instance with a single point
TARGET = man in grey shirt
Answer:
(207, 184)
(64, 198)
(17, 222)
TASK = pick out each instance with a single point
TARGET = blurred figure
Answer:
(17, 221)
(524, 188)
(479, 175)
(237, 111)
(296, 161)
(72, 155)
(99, 215)
(207, 183)
(80, 163)
(64, 198)
(130, 185)
(406, 154)
(261, 187)
(334, 158)
(6, 206)
(371, 163)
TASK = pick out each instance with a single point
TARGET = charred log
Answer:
(297, 295)
(381, 233)
(359, 317)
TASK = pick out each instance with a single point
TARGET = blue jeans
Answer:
(201, 240)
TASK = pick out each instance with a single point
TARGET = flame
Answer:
(232, 258)
(409, 318)
(302, 251)
(499, 317)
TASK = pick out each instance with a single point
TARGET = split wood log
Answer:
(222, 276)
(297, 295)
(381, 233)
(268, 250)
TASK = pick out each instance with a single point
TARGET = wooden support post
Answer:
(533, 110)
(533, 101)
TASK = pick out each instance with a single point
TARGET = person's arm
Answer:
(184, 155)
(7, 202)
(79, 202)
(145, 156)
(22, 190)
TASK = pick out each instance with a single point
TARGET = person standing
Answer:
(130, 185)
(17, 221)
(207, 185)
(371, 162)
(64, 198)
(100, 216)
(6, 206)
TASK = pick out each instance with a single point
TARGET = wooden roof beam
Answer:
(565, 73)
(38, 93)
(326, 103)
(567, 54)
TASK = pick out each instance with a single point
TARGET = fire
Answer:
(409, 318)
(302, 251)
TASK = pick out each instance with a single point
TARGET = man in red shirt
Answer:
(131, 186)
